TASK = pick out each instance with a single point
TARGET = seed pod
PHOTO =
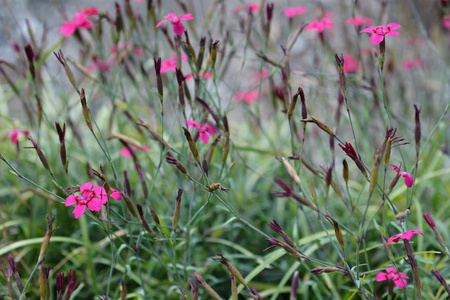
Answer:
(417, 131)
(41, 155)
(175, 162)
(86, 113)
(143, 221)
(192, 145)
(69, 74)
(201, 53)
(231, 268)
(374, 172)
(345, 171)
(176, 213)
(207, 288)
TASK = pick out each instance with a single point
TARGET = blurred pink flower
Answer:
(93, 198)
(351, 64)
(171, 64)
(293, 11)
(410, 64)
(381, 31)
(409, 180)
(80, 21)
(404, 236)
(260, 76)
(245, 96)
(14, 133)
(204, 130)
(125, 152)
(206, 75)
(320, 25)
(446, 21)
(127, 47)
(394, 276)
(178, 27)
(252, 6)
(358, 21)
(103, 65)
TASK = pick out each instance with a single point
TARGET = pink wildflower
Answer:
(257, 77)
(409, 180)
(80, 21)
(320, 25)
(93, 198)
(206, 75)
(411, 64)
(171, 64)
(394, 276)
(245, 96)
(358, 21)
(381, 31)
(178, 27)
(351, 64)
(293, 11)
(103, 65)
(404, 236)
(204, 130)
(252, 6)
(446, 21)
(125, 152)
(14, 133)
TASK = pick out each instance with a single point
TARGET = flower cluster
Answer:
(178, 27)
(320, 25)
(80, 21)
(171, 64)
(93, 198)
(358, 21)
(246, 96)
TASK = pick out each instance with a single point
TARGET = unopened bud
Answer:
(192, 145)
(86, 113)
(176, 213)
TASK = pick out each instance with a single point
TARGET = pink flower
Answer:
(292, 11)
(125, 152)
(394, 276)
(404, 236)
(104, 65)
(171, 64)
(14, 133)
(320, 25)
(381, 31)
(80, 21)
(206, 75)
(446, 21)
(245, 96)
(257, 77)
(178, 27)
(351, 65)
(204, 130)
(93, 198)
(409, 180)
(358, 21)
(410, 64)
(252, 6)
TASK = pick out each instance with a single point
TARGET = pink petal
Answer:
(89, 11)
(191, 123)
(86, 188)
(393, 33)
(71, 200)
(394, 238)
(94, 204)
(417, 231)
(186, 17)
(381, 276)
(209, 129)
(401, 283)
(160, 23)
(376, 38)
(67, 29)
(115, 194)
(393, 26)
(178, 28)
(368, 29)
(409, 180)
(125, 152)
(407, 235)
(204, 137)
(145, 148)
(395, 168)
(79, 210)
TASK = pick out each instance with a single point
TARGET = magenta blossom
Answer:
(125, 152)
(93, 198)
(393, 275)
(245, 96)
(409, 180)
(80, 21)
(206, 75)
(252, 6)
(293, 11)
(171, 64)
(14, 133)
(320, 25)
(103, 65)
(411, 64)
(259, 76)
(404, 236)
(351, 64)
(446, 21)
(381, 31)
(204, 130)
(358, 21)
(178, 27)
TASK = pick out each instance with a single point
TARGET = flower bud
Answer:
(176, 213)
(69, 74)
(143, 221)
(86, 113)
(175, 162)
(192, 145)
(41, 155)
(207, 288)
